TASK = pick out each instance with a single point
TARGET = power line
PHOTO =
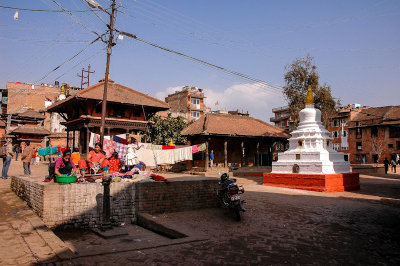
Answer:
(228, 71)
(69, 59)
(45, 10)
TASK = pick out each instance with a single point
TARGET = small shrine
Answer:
(311, 163)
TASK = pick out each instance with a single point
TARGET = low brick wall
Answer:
(80, 205)
(75, 205)
(155, 197)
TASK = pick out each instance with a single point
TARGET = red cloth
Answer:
(115, 165)
(159, 178)
(96, 157)
(168, 147)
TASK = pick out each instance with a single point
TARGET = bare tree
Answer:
(377, 147)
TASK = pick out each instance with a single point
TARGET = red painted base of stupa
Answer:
(314, 182)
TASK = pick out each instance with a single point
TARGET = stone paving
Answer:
(281, 226)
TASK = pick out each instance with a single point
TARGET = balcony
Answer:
(280, 109)
(280, 118)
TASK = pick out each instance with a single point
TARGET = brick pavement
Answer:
(281, 226)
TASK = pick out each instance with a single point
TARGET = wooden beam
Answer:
(207, 157)
(241, 153)
(87, 140)
(226, 153)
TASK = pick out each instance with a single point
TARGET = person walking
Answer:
(17, 151)
(393, 163)
(27, 158)
(7, 159)
(386, 163)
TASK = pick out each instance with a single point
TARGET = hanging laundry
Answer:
(120, 140)
(168, 147)
(182, 154)
(163, 157)
(147, 157)
(121, 149)
(195, 148)
(92, 140)
(108, 147)
(16, 15)
(202, 147)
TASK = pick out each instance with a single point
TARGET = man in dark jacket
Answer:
(386, 163)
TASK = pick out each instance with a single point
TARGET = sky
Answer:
(355, 46)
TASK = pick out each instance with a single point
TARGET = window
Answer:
(394, 132)
(346, 157)
(345, 133)
(374, 131)
(358, 133)
(336, 146)
(335, 123)
(359, 146)
(390, 146)
(343, 122)
(358, 124)
(118, 111)
(137, 113)
(195, 115)
(195, 102)
(98, 109)
(335, 134)
(375, 158)
(397, 145)
(283, 123)
(345, 148)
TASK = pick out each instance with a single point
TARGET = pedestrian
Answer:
(386, 163)
(17, 151)
(211, 158)
(27, 158)
(33, 157)
(7, 159)
(393, 163)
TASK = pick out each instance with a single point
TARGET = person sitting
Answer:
(62, 166)
(114, 163)
(94, 157)
(76, 156)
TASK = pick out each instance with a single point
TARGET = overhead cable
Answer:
(44, 10)
(244, 76)
(69, 59)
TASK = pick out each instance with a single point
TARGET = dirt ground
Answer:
(281, 226)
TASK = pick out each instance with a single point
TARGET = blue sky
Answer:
(355, 44)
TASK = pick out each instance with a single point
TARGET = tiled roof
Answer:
(30, 130)
(115, 93)
(32, 114)
(233, 125)
(378, 115)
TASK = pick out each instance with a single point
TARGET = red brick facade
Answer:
(189, 102)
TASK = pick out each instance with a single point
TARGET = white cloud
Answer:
(249, 97)
(170, 90)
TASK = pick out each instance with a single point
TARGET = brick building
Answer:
(374, 133)
(281, 118)
(188, 103)
(127, 112)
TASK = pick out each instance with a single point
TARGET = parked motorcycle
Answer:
(229, 195)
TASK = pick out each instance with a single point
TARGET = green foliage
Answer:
(164, 129)
(297, 76)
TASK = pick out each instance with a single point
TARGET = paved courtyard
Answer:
(281, 226)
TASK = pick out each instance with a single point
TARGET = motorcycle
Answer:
(229, 195)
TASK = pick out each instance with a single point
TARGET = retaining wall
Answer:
(80, 205)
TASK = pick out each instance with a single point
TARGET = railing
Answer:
(280, 108)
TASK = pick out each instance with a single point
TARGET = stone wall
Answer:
(80, 205)
(155, 197)
(75, 205)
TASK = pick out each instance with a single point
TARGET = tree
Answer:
(378, 145)
(163, 130)
(298, 75)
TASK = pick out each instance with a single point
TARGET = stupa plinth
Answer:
(310, 162)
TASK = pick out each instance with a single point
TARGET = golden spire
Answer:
(310, 97)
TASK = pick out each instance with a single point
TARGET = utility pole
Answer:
(82, 76)
(109, 51)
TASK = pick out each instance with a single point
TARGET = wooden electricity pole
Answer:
(109, 51)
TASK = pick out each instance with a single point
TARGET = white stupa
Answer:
(310, 148)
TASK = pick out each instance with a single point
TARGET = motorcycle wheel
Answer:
(237, 213)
